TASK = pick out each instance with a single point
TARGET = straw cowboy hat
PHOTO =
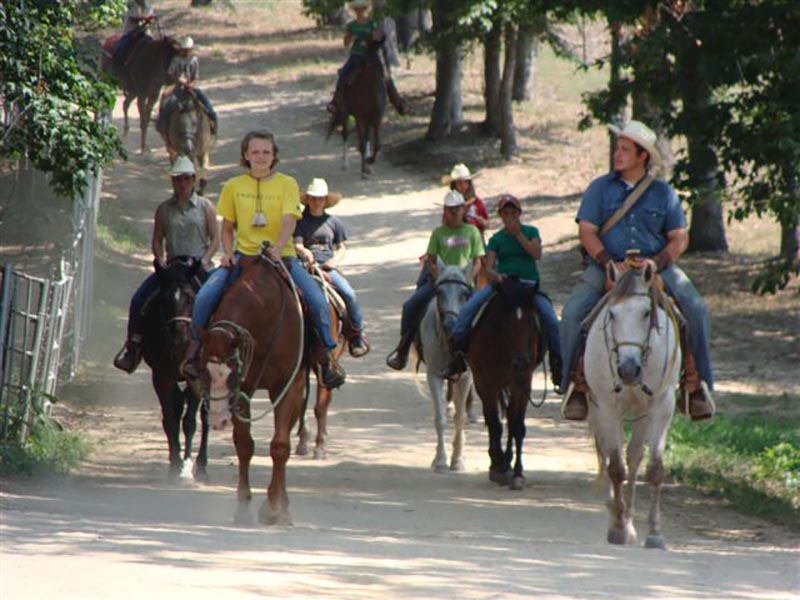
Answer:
(642, 135)
(453, 198)
(459, 172)
(182, 166)
(318, 188)
(186, 43)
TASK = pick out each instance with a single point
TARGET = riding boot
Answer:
(398, 358)
(130, 356)
(190, 368)
(694, 399)
(394, 97)
(556, 369)
(575, 406)
(357, 344)
(333, 376)
(456, 366)
(213, 125)
(334, 107)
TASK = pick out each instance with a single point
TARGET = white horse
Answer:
(452, 291)
(632, 363)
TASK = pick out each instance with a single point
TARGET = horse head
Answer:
(175, 300)
(629, 320)
(187, 117)
(520, 330)
(452, 292)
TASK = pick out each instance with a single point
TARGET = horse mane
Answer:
(627, 285)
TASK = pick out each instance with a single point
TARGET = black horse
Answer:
(167, 321)
(365, 100)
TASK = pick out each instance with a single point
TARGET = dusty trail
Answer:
(372, 519)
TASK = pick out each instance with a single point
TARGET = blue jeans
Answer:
(414, 308)
(543, 306)
(210, 294)
(147, 288)
(171, 103)
(588, 292)
(349, 296)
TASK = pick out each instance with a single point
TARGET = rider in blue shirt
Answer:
(655, 227)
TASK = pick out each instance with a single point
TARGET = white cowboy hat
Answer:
(359, 4)
(187, 43)
(453, 198)
(642, 135)
(182, 166)
(318, 188)
(459, 172)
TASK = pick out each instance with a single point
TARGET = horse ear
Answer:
(648, 273)
(611, 271)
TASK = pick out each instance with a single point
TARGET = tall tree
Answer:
(492, 51)
(447, 42)
(508, 137)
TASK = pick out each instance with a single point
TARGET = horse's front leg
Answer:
(345, 133)
(245, 447)
(126, 104)
(145, 106)
(498, 469)
(200, 473)
(633, 456)
(516, 431)
(171, 407)
(324, 396)
(436, 386)
(655, 473)
(460, 393)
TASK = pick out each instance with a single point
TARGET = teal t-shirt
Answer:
(456, 246)
(511, 256)
(362, 34)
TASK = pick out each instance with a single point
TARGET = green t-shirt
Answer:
(456, 246)
(362, 34)
(511, 256)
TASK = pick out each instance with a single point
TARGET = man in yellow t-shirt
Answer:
(262, 205)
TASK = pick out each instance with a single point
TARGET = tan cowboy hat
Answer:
(459, 172)
(182, 166)
(453, 198)
(186, 43)
(642, 135)
(318, 188)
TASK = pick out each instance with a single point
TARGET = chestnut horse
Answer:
(141, 77)
(505, 348)
(164, 340)
(255, 341)
(188, 133)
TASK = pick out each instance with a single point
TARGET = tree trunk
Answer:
(492, 43)
(508, 134)
(614, 79)
(790, 228)
(707, 230)
(527, 50)
(447, 102)
(201, 3)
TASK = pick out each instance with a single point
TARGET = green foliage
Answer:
(320, 9)
(752, 461)
(48, 449)
(53, 92)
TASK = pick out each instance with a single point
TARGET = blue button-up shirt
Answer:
(644, 227)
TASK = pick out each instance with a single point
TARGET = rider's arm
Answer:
(227, 243)
(339, 251)
(590, 240)
(491, 259)
(303, 253)
(159, 235)
(212, 230)
(677, 242)
(348, 37)
(532, 246)
(288, 223)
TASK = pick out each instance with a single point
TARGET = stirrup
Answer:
(358, 350)
(685, 403)
(576, 414)
(332, 375)
(397, 361)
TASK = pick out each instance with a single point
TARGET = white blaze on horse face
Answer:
(219, 372)
(519, 313)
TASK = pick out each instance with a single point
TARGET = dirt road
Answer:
(372, 520)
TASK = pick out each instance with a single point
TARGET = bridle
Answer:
(444, 312)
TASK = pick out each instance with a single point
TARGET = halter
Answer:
(439, 284)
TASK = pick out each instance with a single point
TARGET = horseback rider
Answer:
(652, 223)
(260, 206)
(185, 226)
(455, 243)
(511, 252)
(183, 71)
(460, 180)
(359, 33)
(137, 20)
(319, 240)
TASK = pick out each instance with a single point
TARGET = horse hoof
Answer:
(440, 466)
(267, 516)
(200, 474)
(616, 536)
(472, 418)
(186, 473)
(302, 449)
(656, 542)
(499, 478)
(517, 483)
(320, 454)
(145, 150)
(457, 466)
(243, 516)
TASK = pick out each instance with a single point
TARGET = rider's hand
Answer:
(513, 227)
(227, 260)
(274, 252)
(205, 263)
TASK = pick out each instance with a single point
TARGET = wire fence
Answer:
(44, 323)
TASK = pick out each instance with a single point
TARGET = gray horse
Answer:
(188, 133)
(452, 291)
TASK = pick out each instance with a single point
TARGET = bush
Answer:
(48, 449)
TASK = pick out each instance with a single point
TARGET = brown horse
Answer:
(141, 77)
(165, 337)
(255, 341)
(505, 348)
(365, 100)
(188, 133)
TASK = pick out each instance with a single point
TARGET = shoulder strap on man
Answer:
(637, 192)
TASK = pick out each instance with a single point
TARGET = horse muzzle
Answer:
(630, 371)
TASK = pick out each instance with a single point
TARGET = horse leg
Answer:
(245, 447)
(200, 473)
(126, 104)
(498, 468)
(191, 404)
(516, 431)
(363, 148)
(472, 416)
(633, 456)
(170, 418)
(203, 165)
(275, 509)
(436, 385)
(345, 133)
(302, 431)
(659, 425)
(324, 397)
(145, 106)
(460, 391)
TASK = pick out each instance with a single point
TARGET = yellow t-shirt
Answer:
(238, 203)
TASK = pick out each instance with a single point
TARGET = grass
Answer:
(48, 450)
(751, 460)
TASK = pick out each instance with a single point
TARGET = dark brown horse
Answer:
(165, 337)
(324, 395)
(505, 348)
(255, 341)
(141, 77)
(365, 100)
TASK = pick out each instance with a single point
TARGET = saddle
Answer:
(513, 293)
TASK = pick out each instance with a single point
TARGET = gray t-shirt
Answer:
(185, 230)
